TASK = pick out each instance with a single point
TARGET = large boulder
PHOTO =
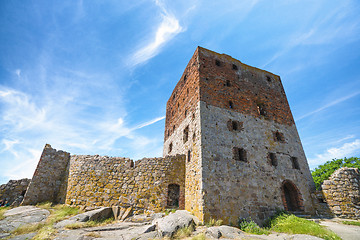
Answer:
(169, 224)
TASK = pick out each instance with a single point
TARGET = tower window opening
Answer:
(186, 134)
(268, 78)
(170, 147)
(234, 67)
(185, 112)
(217, 63)
(174, 128)
(239, 154)
(189, 155)
(279, 137)
(194, 136)
(273, 159)
(295, 163)
(234, 125)
(185, 77)
(187, 91)
(231, 105)
(228, 83)
(261, 109)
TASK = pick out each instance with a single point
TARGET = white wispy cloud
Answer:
(167, 30)
(332, 27)
(333, 103)
(346, 150)
(150, 122)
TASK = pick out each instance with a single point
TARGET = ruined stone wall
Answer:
(48, 177)
(14, 190)
(342, 193)
(113, 181)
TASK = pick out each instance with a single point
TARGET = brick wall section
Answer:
(342, 193)
(113, 181)
(246, 86)
(13, 189)
(48, 176)
(184, 97)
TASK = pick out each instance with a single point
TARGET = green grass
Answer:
(291, 224)
(200, 236)
(45, 229)
(168, 211)
(184, 232)
(286, 223)
(88, 224)
(250, 226)
(212, 222)
(355, 223)
(2, 211)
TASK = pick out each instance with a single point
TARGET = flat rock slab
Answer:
(120, 230)
(23, 236)
(225, 232)
(94, 215)
(22, 215)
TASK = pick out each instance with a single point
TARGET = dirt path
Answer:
(346, 232)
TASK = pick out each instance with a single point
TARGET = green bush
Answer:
(324, 171)
(250, 226)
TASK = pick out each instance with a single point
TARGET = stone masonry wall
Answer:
(342, 193)
(113, 181)
(253, 187)
(48, 177)
(13, 190)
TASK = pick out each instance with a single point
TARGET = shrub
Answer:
(250, 226)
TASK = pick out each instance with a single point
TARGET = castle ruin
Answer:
(231, 150)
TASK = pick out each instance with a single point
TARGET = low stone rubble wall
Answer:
(14, 191)
(342, 193)
(113, 181)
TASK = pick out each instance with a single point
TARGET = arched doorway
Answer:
(173, 196)
(291, 197)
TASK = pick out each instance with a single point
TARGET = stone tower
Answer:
(244, 157)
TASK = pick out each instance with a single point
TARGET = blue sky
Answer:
(93, 77)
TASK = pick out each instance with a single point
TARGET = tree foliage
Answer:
(324, 171)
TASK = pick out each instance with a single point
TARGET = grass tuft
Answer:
(212, 222)
(200, 236)
(28, 228)
(45, 233)
(2, 211)
(294, 225)
(88, 224)
(250, 226)
(93, 234)
(168, 211)
(355, 223)
(184, 232)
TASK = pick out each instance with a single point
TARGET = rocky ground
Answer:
(145, 227)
